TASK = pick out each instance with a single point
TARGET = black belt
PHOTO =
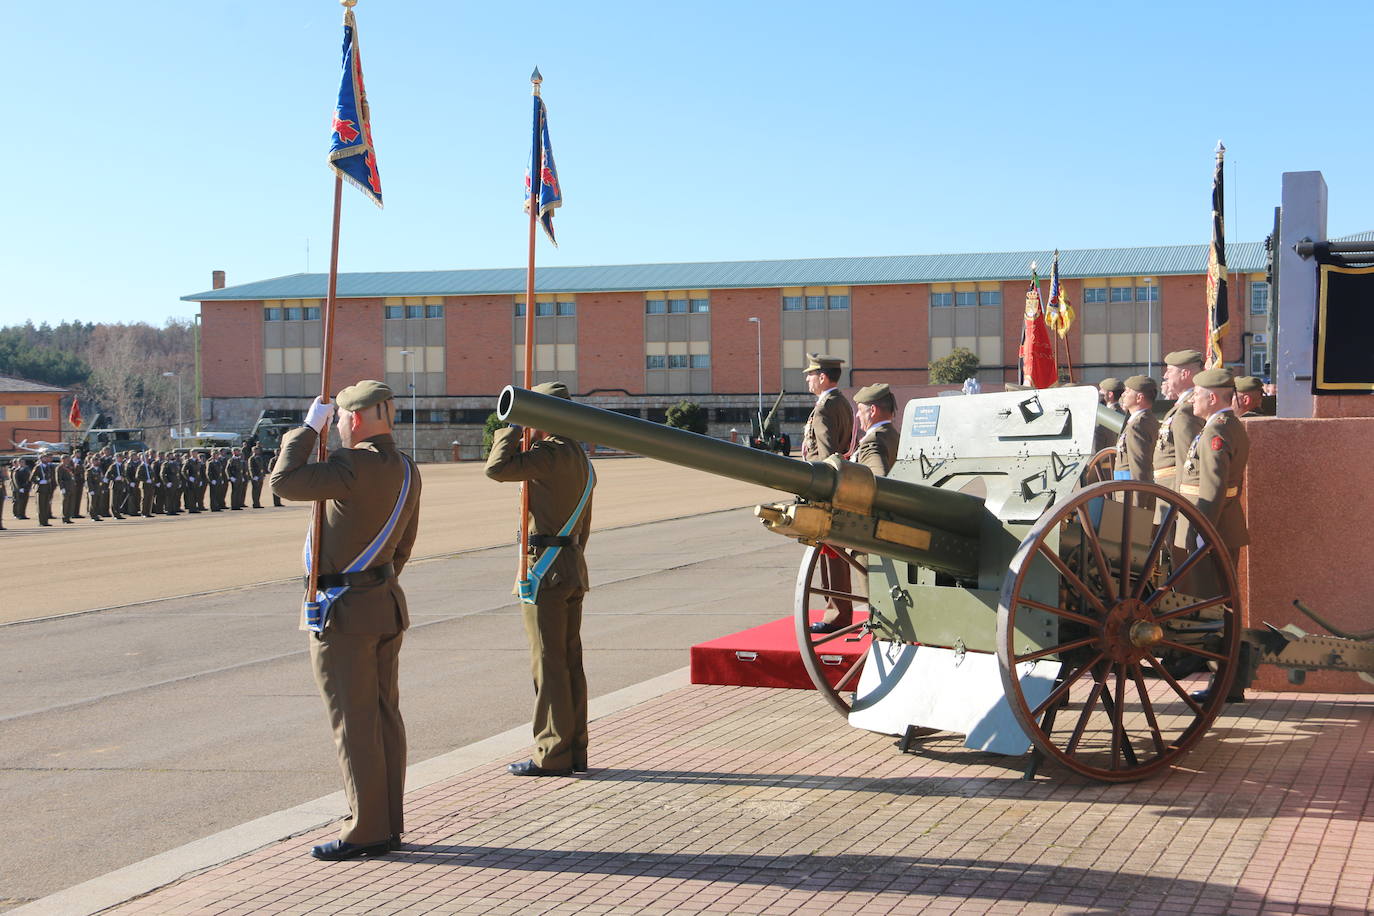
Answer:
(374, 576)
(540, 541)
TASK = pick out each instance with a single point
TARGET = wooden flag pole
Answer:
(535, 182)
(327, 358)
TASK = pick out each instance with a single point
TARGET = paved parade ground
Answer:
(170, 754)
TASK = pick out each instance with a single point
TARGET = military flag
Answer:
(74, 415)
(352, 156)
(1038, 369)
(541, 177)
(1058, 312)
(1218, 311)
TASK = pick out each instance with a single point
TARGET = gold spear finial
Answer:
(535, 80)
(348, 4)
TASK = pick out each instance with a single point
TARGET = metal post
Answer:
(758, 325)
(1149, 328)
(406, 355)
(180, 428)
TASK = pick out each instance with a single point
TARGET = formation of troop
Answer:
(118, 485)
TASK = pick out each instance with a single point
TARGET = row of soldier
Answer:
(123, 484)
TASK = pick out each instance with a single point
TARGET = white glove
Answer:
(317, 417)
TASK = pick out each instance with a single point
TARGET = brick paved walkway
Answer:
(744, 800)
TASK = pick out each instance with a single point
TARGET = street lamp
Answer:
(405, 356)
(758, 325)
(180, 428)
(1149, 328)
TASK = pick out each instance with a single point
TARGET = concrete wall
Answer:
(1309, 503)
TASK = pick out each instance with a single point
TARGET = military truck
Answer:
(272, 424)
(119, 439)
(766, 430)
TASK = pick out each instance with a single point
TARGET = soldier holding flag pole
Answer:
(362, 527)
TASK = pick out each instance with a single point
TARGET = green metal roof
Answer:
(867, 271)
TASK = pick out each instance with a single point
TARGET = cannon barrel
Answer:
(958, 513)
(1110, 419)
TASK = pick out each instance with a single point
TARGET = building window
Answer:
(312, 313)
(791, 303)
(434, 311)
(1122, 294)
(394, 311)
(294, 314)
(1147, 294)
(1259, 298)
(655, 306)
(656, 361)
(1259, 359)
(839, 303)
(544, 309)
(962, 300)
(555, 340)
(795, 414)
(40, 413)
(656, 414)
(469, 416)
(273, 314)
(700, 306)
(1094, 294)
(941, 300)
(519, 310)
(815, 303)
(990, 297)
(677, 360)
(701, 360)
(415, 311)
(566, 307)
(733, 414)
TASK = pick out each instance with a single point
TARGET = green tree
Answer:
(961, 363)
(489, 433)
(687, 415)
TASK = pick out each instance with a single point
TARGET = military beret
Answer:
(1249, 383)
(872, 394)
(366, 393)
(816, 362)
(1215, 378)
(1183, 358)
(553, 389)
(1111, 383)
(1144, 384)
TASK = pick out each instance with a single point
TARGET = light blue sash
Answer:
(529, 586)
(317, 611)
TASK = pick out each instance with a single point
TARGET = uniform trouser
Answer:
(44, 505)
(256, 485)
(199, 497)
(554, 629)
(21, 503)
(357, 674)
(216, 496)
(834, 573)
(93, 508)
(71, 503)
(104, 502)
(237, 490)
(76, 499)
(150, 491)
(118, 493)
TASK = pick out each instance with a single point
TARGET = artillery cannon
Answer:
(765, 431)
(998, 594)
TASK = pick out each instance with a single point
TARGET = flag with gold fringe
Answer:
(1058, 311)
(1218, 312)
(1038, 369)
(352, 155)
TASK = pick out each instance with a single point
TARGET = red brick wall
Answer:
(358, 350)
(610, 341)
(231, 349)
(478, 346)
(735, 339)
(891, 334)
(16, 428)
(1184, 302)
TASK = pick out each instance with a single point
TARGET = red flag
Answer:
(1038, 369)
(74, 415)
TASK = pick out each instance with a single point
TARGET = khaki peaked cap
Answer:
(1249, 383)
(1111, 383)
(817, 362)
(1144, 384)
(1183, 358)
(553, 389)
(873, 394)
(367, 393)
(1215, 378)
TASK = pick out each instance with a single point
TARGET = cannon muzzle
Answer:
(937, 527)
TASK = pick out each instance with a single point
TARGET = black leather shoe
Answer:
(339, 851)
(1202, 696)
(530, 768)
(394, 843)
(579, 764)
(821, 626)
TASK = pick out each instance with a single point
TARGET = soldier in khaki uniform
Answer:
(1136, 444)
(237, 470)
(830, 427)
(1212, 477)
(1179, 425)
(1249, 395)
(558, 475)
(1109, 392)
(372, 494)
(829, 431)
(878, 448)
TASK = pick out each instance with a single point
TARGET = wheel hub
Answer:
(1130, 631)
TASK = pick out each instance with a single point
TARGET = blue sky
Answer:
(155, 141)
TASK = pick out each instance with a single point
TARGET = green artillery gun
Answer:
(996, 591)
(765, 431)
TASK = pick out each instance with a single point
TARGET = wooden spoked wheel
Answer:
(1107, 707)
(1099, 468)
(835, 674)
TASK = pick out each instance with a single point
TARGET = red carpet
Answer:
(767, 656)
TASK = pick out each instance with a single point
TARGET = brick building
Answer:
(29, 410)
(638, 338)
